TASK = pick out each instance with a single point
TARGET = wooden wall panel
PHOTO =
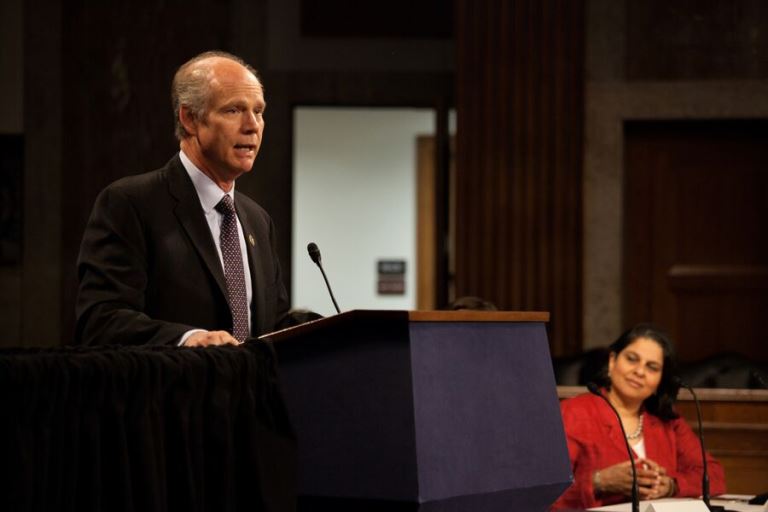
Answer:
(698, 39)
(695, 250)
(519, 148)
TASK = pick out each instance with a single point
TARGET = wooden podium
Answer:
(430, 411)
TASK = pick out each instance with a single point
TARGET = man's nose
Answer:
(250, 122)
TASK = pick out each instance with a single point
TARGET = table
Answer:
(144, 429)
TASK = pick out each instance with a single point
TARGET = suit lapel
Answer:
(613, 433)
(255, 263)
(190, 215)
(611, 428)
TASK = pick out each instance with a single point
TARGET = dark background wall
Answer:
(542, 90)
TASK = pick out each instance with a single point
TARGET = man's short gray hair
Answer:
(191, 86)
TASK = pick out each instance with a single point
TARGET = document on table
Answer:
(735, 502)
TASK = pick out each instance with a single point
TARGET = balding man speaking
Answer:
(176, 256)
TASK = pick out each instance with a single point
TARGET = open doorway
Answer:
(355, 194)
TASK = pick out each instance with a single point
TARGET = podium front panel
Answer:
(349, 396)
(427, 412)
(486, 408)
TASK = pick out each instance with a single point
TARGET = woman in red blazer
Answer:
(639, 382)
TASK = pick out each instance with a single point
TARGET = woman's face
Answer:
(635, 372)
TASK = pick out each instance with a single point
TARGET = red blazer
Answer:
(595, 442)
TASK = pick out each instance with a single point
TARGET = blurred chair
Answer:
(473, 303)
(580, 369)
(296, 317)
(726, 370)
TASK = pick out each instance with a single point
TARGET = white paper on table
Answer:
(677, 506)
(738, 505)
(679, 502)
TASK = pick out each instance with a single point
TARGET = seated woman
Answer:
(639, 382)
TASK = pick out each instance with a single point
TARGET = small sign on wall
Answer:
(391, 277)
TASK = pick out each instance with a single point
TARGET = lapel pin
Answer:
(251, 240)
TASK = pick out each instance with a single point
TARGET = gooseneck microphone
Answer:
(314, 253)
(592, 387)
(704, 473)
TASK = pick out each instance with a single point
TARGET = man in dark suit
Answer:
(162, 261)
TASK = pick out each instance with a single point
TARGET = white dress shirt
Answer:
(210, 194)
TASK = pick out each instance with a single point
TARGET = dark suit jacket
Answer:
(595, 442)
(149, 270)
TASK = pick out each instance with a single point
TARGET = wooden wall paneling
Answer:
(637, 247)
(42, 313)
(698, 39)
(695, 250)
(735, 426)
(518, 185)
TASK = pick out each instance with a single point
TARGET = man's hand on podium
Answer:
(206, 338)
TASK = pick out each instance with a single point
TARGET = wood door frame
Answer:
(426, 223)
(609, 105)
(434, 197)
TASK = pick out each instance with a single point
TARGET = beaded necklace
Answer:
(638, 431)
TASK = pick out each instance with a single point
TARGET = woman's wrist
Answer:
(596, 481)
(672, 487)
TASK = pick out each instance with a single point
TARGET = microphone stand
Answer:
(592, 387)
(704, 474)
(314, 253)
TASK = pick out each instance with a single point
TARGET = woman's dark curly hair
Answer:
(662, 402)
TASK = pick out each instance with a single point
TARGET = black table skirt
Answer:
(144, 429)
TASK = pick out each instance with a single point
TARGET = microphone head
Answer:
(677, 382)
(760, 378)
(314, 252)
(594, 389)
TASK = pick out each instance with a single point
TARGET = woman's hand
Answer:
(666, 485)
(652, 481)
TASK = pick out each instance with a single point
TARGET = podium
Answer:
(429, 411)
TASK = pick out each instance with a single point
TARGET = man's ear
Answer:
(187, 120)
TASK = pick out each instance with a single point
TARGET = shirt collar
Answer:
(209, 193)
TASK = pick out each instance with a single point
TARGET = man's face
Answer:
(229, 134)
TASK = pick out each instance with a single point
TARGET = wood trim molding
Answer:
(718, 277)
(373, 316)
(465, 315)
(426, 227)
(704, 394)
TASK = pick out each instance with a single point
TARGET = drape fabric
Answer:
(144, 429)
